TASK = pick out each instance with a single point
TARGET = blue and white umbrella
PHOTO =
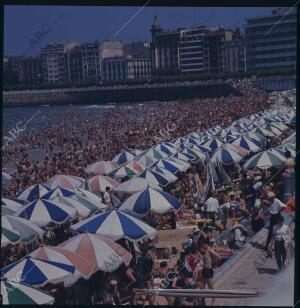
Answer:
(59, 191)
(226, 156)
(155, 178)
(166, 149)
(34, 192)
(171, 166)
(150, 199)
(37, 272)
(115, 225)
(146, 160)
(134, 185)
(187, 157)
(169, 175)
(43, 211)
(185, 165)
(197, 154)
(191, 140)
(135, 152)
(200, 148)
(213, 144)
(13, 203)
(123, 157)
(247, 144)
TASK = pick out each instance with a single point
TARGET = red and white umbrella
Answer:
(66, 181)
(135, 166)
(101, 167)
(100, 251)
(99, 183)
(83, 268)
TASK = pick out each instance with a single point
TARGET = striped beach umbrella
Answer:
(198, 156)
(13, 203)
(167, 174)
(90, 199)
(171, 166)
(226, 156)
(150, 199)
(135, 166)
(9, 237)
(123, 158)
(263, 132)
(156, 154)
(115, 225)
(135, 152)
(98, 183)
(155, 178)
(187, 157)
(43, 211)
(200, 148)
(58, 191)
(6, 210)
(246, 144)
(185, 165)
(14, 293)
(37, 272)
(134, 185)
(273, 129)
(34, 192)
(83, 268)
(146, 160)
(165, 149)
(123, 172)
(101, 167)
(66, 181)
(26, 230)
(213, 144)
(101, 252)
(265, 160)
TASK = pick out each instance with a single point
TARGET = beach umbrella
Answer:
(186, 157)
(287, 147)
(264, 132)
(123, 157)
(101, 167)
(101, 252)
(190, 140)
(226, 156)
(200, 148)
(43, 211)
(6, 210)
(150, 199)
(156, 154)
(280, 126)
(155, 178)
(229, 138)
(135, 166)
(273, 129)
(290, 139)
(58, 191)
(66, 181)
(134, 185)
(194, 135)
(90, 199)
(98, 183)
(165, 149)
(146, 160)
(265, 160)
(26, 230)
(34, 192)
(213, 144)
(115, 225)
(255, 137)
(83, 268)
(14, 203)
(185, 165)
(171, 166)
(79, 207)
(246, 144)
(14, 293)
(135, 152)
(123, 172)
(197, 154)
(167, 174)
(9, 237)
(37, 272)
(6, 178)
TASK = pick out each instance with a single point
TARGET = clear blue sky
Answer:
(87, 23)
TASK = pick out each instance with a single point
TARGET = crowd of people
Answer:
(66, 142)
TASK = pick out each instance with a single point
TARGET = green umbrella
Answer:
(14, 293)
(265, 160)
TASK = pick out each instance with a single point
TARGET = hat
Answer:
(113, 282)
(270, 194)
(196, 230)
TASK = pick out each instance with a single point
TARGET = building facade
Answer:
(271, 41)
(73, 63)
(138, 68)
(30, 70)
(91, 61)
(52, 62)
(234, 50)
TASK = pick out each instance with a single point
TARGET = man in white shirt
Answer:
(276, 206)
(107, 197)
(212, 206)
(281, 238)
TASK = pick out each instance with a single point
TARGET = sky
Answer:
(88, 23)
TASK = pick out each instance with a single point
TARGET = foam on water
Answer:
(281, 292)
